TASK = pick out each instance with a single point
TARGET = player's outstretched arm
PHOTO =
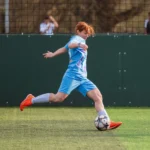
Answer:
(53, 54)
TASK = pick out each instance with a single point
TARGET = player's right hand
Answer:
(84, 46)
(48, 54)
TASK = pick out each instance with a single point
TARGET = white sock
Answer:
(103, 112)
(44, 98)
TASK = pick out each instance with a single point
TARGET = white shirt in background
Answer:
(145, 24)
(44, 26)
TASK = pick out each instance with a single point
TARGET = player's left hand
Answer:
(48, 54)
(84, 46)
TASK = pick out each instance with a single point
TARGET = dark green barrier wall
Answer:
(118, 65)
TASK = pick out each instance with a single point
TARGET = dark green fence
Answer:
(117, 64)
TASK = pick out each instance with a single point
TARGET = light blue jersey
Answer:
(77, 63)
(76, 75)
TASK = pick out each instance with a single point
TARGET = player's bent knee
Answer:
(98, 98)
(98, 94)
(101, 97)
(59, 99)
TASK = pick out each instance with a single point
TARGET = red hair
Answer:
(84, 26)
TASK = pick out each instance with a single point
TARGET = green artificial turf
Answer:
(67, 128)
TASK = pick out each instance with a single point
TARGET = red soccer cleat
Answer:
(26, 102)
(114, 125)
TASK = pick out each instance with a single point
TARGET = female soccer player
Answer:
(75, 76)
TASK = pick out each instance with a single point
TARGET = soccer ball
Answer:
(101, 123)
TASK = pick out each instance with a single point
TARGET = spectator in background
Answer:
(47, 27)
(147, 25)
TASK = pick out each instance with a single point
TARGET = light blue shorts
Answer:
(83, 86)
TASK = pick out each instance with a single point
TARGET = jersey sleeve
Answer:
(72, 40)
(66, 46)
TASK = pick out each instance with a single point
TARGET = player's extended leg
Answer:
(44, 98)
(66, 86)
(96, 96)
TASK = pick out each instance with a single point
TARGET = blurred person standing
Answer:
(147, 25)
(48, 25)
